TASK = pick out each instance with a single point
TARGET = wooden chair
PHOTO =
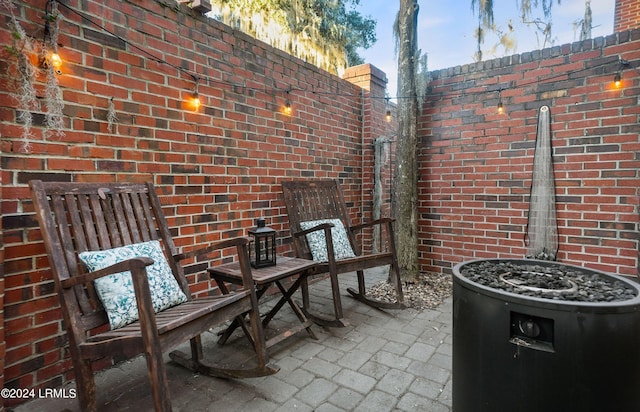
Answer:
(308, 201)
(78, 217)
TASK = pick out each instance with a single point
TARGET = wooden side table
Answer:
(286, 267)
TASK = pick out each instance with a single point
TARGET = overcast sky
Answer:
(446, 28)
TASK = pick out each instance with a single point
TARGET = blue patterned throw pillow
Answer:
(318, 244)
(116, 291)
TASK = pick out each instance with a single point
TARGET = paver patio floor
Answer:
(393, 360)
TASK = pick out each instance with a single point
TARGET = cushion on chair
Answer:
(318, 244)
(116, 291)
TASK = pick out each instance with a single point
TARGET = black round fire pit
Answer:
(534, 335)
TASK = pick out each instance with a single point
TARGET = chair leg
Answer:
(396, 281)
(158, 378)
(86, 385)
(361, 287)
(196, 348)
(259, 342)
(338, 321)
(305, 293)
(361, 296)
(337, 300)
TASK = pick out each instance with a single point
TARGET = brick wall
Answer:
(476, 165)
(627, 15)
(217, 169)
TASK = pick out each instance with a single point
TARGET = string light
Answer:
(195, 98)
(56, 60)
(617, 79)
(388, 114)
(52, 58)
(500, 105)
(287, 107)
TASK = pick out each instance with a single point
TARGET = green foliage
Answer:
(326, 33)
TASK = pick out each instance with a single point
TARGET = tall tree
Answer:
(405, 198)
(326, 33)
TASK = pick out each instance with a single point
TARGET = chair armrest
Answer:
(321, 226)
(131, 265)
(382, 221)
(242, 246)
(202, 251)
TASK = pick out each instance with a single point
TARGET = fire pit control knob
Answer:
(529, 328)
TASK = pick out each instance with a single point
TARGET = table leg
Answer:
(238, 321)
(286, 296)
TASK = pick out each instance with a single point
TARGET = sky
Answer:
(446, 30)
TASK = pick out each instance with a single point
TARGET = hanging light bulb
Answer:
(617, 80)
(500, 105)
(287, 107)
(195, 97)
(55, 60)
(195, 100)
(388, 115)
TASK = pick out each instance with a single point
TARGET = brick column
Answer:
(373, 81)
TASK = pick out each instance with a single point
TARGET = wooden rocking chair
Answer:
(321, 200)
(81, 217)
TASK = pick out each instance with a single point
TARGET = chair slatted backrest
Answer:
(308, 200)
(78, 217)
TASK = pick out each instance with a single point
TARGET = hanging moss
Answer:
(23, 74)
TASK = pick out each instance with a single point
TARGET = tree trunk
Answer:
(406, 170)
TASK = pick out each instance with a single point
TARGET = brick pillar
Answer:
(627, 15)
(368, 77)
(373, 81)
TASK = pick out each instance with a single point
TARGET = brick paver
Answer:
(384, 361)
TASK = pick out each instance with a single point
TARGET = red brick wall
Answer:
(217, 169)
(627, 15)
(476, 165)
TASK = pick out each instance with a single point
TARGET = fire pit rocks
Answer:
(549, 281)
(534, 335)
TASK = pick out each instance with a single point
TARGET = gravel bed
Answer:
(428, 292)
(556, 282)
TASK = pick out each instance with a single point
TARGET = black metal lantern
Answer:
(263, 245)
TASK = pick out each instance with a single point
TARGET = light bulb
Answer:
(196, 101)
(287, 107)
(55, 60)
